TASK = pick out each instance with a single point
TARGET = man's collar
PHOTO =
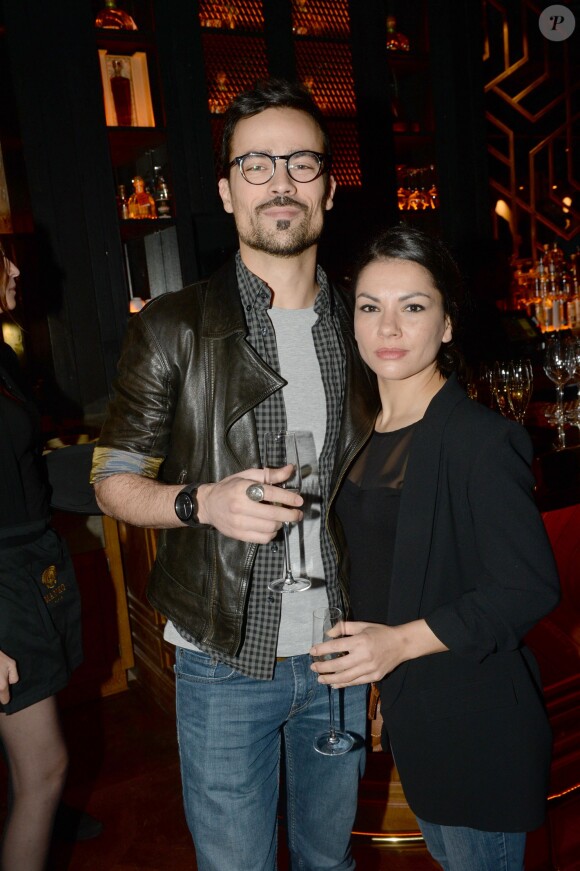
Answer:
(256, 294)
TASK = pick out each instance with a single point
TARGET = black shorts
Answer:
(40, 618)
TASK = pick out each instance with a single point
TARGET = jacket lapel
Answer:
(250, 380)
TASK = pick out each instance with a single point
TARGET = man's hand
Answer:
(372, 650)
(227, 507)
(224, 505)
(8, 676)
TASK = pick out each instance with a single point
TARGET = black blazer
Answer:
(467, 728)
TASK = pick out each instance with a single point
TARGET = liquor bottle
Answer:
(141, 204)
(112, 18)
(121, 90)
(122, 203)
(396, 41)
(557, 258)
(574, 306)
(161, 195)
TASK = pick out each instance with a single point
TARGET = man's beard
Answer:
(286, 240)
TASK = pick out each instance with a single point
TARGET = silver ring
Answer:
(255, 492)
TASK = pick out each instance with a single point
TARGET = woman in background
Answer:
(450, 566)
(40, 619)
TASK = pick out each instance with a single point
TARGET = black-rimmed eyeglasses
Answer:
(302, 166)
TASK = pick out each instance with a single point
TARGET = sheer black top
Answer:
(368, 508)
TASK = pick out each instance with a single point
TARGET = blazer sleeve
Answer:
(515, 580)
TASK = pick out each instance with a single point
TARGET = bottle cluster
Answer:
(548, 289)
(149, 199)
(416, 188)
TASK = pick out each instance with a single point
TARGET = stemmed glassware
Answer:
(558, 367)
(499, 384)
(332, 742)
(485, 392)
(519, 387)
(280, 449)
(574, 362)
(572, 410)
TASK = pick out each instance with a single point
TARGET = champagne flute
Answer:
(519, 388)
(574, 362)
(557, 366)
(332, 742)
(485, 385)
(572, 410)
(280, 450)
(499, 384)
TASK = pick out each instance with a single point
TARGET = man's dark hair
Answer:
(269, 94)
(404, 242)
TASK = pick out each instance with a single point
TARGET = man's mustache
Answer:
(281, 202)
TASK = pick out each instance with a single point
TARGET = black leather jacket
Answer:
(187, 379)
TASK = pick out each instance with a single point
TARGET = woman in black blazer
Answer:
(450, 566)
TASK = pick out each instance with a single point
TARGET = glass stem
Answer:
(332, 736)
(560, 416)
(289, 577)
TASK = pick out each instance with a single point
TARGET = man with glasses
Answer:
(264, 345)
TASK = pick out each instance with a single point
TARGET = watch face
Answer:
(184, 506)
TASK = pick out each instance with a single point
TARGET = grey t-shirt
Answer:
(305, 404)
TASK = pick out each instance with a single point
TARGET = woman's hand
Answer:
(372, 650)
(8, 676)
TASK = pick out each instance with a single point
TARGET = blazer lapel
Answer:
(418, 504)
(416, 520)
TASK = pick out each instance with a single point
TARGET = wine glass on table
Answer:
(332, 742)
(485, 385)
(280, 449)
(572, 409)
(558, 368)
(499, 385)
(519, 388)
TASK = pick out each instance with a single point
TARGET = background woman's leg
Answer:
(37, 758)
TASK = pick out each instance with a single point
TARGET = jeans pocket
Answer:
(194, 665)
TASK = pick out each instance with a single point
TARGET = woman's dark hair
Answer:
(269, 94)
(403, 242)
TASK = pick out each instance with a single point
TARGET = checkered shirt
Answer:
(257, 656)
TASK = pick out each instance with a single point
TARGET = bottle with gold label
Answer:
(141, 204)
(112, 18)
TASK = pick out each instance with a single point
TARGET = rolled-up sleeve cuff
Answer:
(112, 461)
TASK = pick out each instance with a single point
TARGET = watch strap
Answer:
(193, 519)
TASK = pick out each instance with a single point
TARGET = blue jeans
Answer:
(230, 730)
(459, 848)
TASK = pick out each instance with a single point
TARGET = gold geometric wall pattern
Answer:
(532, 92)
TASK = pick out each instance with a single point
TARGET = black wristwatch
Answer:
(186, 506)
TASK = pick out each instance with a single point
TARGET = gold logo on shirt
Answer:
(49, 577)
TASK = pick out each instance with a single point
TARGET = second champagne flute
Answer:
(333, 742)
(280, 450)
(519, 388)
